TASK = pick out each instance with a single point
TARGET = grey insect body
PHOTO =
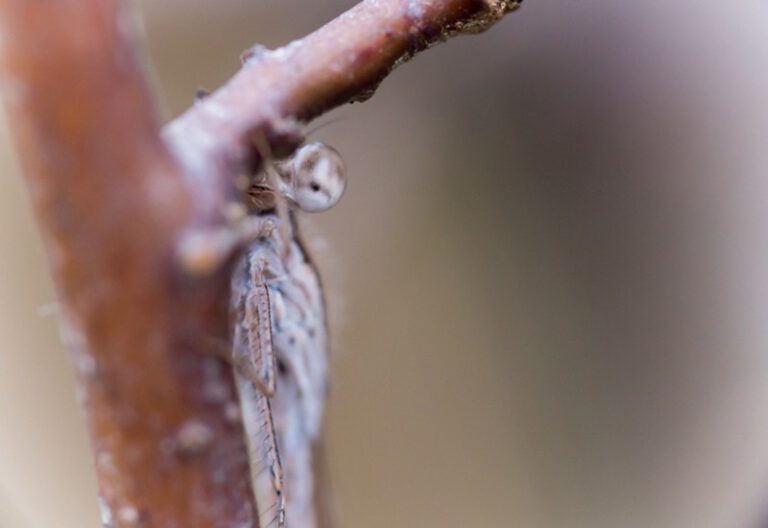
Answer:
(280, 343)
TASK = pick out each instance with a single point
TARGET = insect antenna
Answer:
(315, 129)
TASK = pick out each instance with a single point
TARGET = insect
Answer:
(280, 344)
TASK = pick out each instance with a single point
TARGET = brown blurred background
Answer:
(547, 279)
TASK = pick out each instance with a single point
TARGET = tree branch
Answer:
(111, 204)
(114, 204)
(343, 61)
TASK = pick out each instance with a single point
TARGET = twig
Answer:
(111, 203)
(343, 61)
(114, 204)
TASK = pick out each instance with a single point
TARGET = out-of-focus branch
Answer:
(114, 203)
(111, 204)
(343, 61)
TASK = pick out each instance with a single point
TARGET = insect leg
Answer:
(275, 183)
(254, 357)
(263, 454)
(257, 361)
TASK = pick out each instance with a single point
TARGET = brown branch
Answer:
(343, 61)
(113, 205)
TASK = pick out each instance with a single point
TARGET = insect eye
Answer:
(319, 177)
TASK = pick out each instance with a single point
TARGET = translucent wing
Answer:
(300, 342)
(263, 454)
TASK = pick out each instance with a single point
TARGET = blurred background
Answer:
(548, 277)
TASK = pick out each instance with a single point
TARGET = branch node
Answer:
(253, 54)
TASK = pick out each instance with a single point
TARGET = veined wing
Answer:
(253, 352)
(300, 344)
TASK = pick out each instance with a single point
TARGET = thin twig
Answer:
(343, 61)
